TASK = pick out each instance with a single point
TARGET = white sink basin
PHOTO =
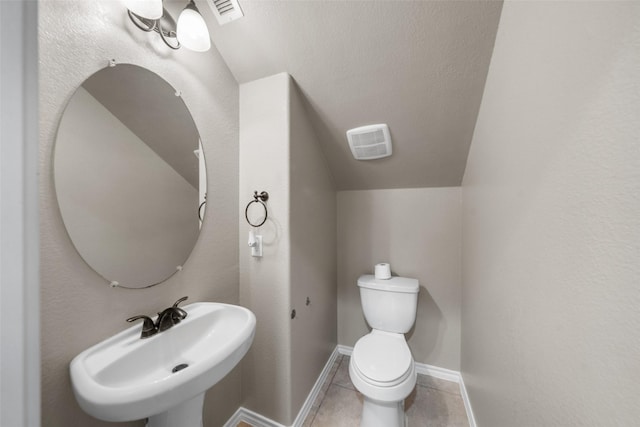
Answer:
(126, 378)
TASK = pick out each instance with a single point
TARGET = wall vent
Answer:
(226, 10)
(370, 142)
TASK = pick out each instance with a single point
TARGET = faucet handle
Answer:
(181, 314)
(148, 327)
(175, 304)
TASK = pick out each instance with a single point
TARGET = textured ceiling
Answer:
(419, 66)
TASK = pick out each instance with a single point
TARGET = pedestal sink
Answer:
(163, 377)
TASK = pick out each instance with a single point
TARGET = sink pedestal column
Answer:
(186, 414)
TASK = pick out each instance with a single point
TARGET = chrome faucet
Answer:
(166, 319)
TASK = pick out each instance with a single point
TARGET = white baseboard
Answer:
(251, 418)
(467, 403)
(308, 403)
(257, 420)
(344, 350)
(436, 372)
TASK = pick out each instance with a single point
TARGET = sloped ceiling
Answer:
(419, 66)
(148, 106)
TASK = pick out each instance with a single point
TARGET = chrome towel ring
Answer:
(257, 198)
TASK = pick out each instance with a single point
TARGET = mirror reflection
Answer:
(129, 176)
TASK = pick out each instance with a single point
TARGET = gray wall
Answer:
(265, 282)
(279, 154)
(78, 307)
(418, 231)
(313, 255)
(19, 277)
(551, 326)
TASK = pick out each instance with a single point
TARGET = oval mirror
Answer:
(129, 176)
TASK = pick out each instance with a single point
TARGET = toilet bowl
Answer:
(382, 369)
(381, 365)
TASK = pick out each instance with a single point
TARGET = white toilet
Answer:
(381, 366)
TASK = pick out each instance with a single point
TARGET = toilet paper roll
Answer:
(382, 271)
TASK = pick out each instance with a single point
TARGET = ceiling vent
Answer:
(226, 10)
(370, 142)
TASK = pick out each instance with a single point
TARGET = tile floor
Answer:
(433, 403)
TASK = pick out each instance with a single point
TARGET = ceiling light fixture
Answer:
(191, 31)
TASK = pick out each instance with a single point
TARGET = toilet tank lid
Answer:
(395, 284)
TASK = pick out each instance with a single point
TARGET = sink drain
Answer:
(179, 367)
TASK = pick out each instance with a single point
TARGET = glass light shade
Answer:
(192, 31)
(150, 9)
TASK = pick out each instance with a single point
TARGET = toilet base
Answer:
(382, 414)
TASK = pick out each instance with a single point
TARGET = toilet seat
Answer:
(382, 358)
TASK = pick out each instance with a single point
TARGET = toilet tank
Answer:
(389, 305)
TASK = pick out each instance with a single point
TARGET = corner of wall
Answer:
(279, 153)
(313, 260)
